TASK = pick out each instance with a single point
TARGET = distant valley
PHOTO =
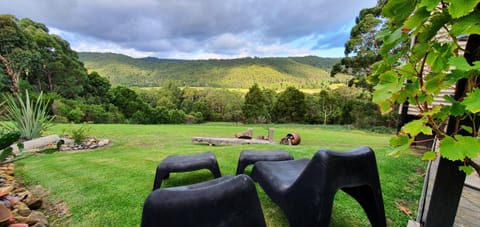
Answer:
(277, 73)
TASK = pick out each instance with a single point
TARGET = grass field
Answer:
(107, 187)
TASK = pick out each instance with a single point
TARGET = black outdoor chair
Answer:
(185, 163)
(224, 201)
(305, 189)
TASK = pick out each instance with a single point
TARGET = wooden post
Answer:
(249, 132)
(270, 134)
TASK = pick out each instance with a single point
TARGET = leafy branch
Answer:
(422, 55)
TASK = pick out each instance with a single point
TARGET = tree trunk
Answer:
(15, 88)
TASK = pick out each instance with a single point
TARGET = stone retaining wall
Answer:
(26, 206)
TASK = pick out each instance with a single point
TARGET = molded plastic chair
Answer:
(185, 163)
(305, 189)
(224, 201)
(248, 157)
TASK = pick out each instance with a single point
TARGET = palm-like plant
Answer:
(29, 118)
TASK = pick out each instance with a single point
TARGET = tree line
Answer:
(40, 62)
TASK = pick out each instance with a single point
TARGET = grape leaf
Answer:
(460, 8)
(470, 146)
(467, 169)
(463, 146)
(467, 25)
(430, 4)
(417, 126)
(398, 10)
(460, 63)
(388, 85)
(417, 19)
(448, 149)
(467, 128)
(429, 156)
(472, 101)
(399, 140)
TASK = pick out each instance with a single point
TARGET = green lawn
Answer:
(108, 186)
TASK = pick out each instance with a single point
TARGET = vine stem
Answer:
(473, 164)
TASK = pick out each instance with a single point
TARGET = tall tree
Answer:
(96, 89)
(170, 95)
(127, 101)
(18, 52)
(225, 105)
(29, 52)
(290, 106)
(362, 49)
(255, 107)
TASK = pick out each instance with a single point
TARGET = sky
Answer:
(197, 29)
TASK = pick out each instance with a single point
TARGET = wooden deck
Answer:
(228, 141)
(468, 212)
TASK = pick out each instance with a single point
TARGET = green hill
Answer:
(276, 73)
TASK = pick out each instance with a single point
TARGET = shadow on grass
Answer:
(187, 178)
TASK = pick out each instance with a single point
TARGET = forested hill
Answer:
(276, 73)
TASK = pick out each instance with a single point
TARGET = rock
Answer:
(7, 169)
(65, 147)
(34, 202)
(21, 209)
(6, 189)
(9, 179)
(40, 143)
(19, 188)
(18, 225)
(38, 224)
(39, 216)
(35, 217)
(103, 142)
(24, 195)
(67, 141)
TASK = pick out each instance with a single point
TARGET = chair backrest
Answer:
(335, 169)
(224, 201)
(355, 172)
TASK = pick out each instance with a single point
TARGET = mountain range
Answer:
(275, 73)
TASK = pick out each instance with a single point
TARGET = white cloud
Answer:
(198, 29)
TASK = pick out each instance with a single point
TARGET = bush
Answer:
(75, 115)
(67, 110)
(139, 117)
(6, 140)
(79, 134)
(176, 116)
(29, 118)
(95, 113)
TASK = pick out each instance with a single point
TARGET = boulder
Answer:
(21, 209)
(34, 218)
(6, 189)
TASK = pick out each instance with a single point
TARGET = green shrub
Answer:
(139, 117)
(80, 134)
(176, 116)
(95, 113)
(6, 140)
(29, 118)
(75, 115)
